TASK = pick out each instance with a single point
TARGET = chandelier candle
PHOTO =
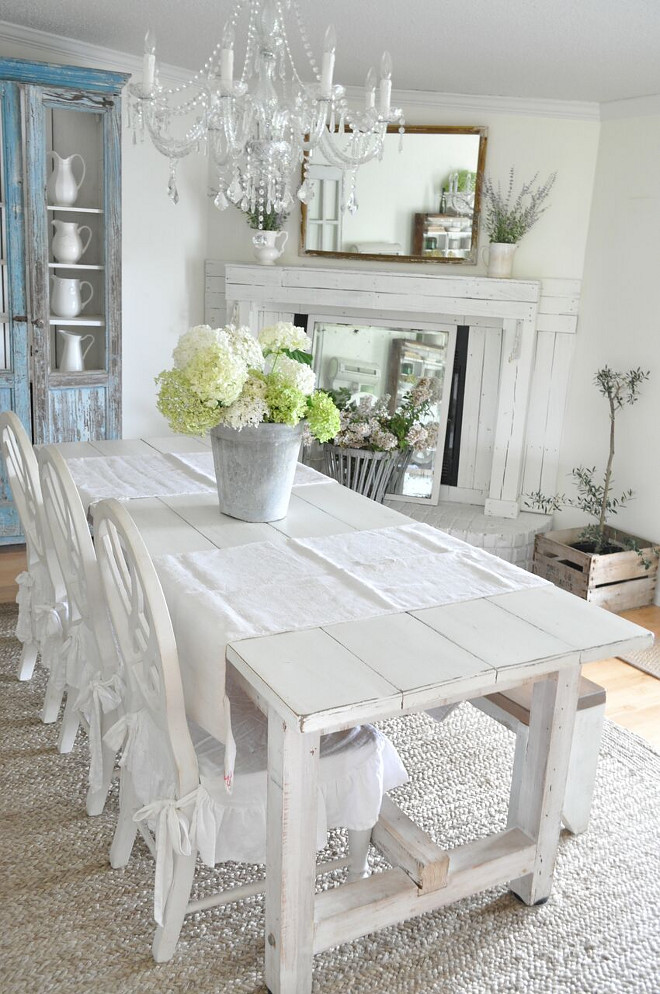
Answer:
(259, 129)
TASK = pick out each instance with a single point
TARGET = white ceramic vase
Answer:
(500, 259)
(266, 249)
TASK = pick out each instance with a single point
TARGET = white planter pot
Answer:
(254, 469)
(500, 259)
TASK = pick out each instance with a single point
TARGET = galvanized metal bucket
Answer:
(255, 468)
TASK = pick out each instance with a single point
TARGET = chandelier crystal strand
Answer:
(258, 128)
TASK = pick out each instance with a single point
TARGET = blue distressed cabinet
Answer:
(59, 119)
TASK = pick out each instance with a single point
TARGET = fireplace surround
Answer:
(521, 342)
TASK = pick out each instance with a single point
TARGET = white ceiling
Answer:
(586, 50)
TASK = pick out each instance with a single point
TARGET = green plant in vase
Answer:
(271, 220)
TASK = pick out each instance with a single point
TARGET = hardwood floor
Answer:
(633, 697)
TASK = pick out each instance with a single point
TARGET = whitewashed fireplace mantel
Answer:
(533, 323)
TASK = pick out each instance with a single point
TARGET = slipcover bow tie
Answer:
(178, 832)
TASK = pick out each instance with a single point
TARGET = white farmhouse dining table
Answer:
(326, 677)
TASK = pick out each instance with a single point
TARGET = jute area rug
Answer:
(69, 923)
(647, 660)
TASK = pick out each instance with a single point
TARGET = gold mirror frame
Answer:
(416, 222)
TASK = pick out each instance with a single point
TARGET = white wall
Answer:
(618, 323)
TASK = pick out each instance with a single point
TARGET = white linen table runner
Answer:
(202, 464)
(221, 595)
(155, 475)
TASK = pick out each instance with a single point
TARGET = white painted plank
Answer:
(488, 402)
(565, 323)
(561, 371)
(352, 508)
(559, 287)
(309, 678)
(405, 844)
(592, 630)
(306, 521)
(178, 443)
(75, 450)
(293, 760)
(472, 288)
(413, 657)
(537, 793)
(484, 629)
(213, 267)
(263, 276)
(559, 305)
(163, 530)
(122, 447)
(201, 512)
(537, 418)
(344, 913)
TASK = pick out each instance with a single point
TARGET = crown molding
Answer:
(45, 46)
(635, 107)
(483, 104)
(42, 46)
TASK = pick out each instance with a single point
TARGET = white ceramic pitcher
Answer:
(265, 246)
(72, 358)
(62, 184)
(66, 296)
(67, 241)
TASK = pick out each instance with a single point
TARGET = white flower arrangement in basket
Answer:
(373, 447)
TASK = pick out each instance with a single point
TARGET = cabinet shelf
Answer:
(75, 210)
(91, 321)
(74, 265)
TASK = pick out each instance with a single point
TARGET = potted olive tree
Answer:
(597, 562)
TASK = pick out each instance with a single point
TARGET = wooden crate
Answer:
(617, 581)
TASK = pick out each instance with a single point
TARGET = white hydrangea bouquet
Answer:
(226, 376)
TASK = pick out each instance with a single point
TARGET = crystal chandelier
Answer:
(259, 129)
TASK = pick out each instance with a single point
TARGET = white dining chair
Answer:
(42, 607)
(90, 659)
(172, 773)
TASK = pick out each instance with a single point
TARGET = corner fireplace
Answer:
(516, 357)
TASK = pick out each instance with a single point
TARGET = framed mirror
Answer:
(419, 204)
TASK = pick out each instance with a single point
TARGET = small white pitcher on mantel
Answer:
(266, 250)
(499, 259)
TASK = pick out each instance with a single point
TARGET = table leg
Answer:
(537, 791)
(293, 761)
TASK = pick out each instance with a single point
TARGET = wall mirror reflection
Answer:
(359, 360)
(419, 204)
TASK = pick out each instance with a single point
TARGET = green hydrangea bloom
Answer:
(322, 416)
(286, 404)
(181, 406)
